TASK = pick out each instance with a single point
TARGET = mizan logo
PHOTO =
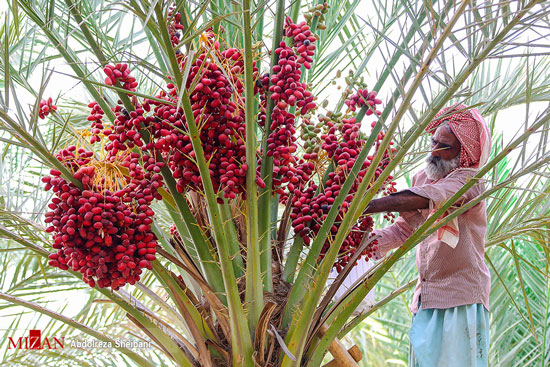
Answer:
(35, 341)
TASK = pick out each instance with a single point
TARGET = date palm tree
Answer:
(232, 284)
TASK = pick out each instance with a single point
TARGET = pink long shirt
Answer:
(447, 277)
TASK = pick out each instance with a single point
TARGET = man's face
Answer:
(445, 154)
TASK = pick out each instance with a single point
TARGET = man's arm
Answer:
(402, 201)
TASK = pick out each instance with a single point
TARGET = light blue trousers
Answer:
(452, 337)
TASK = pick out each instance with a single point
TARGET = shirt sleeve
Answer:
(440, 191)
(395, 235)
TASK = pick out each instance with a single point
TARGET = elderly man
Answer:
(451, 300)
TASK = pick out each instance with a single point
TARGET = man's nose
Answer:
(436, 152)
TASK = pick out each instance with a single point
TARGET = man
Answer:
(451, 300)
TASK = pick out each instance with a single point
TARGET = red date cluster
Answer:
(105, 235)
(120, 73)
(126, 132)
(288, 92)
(218, 109)
(174, 26)
(304, 41)
(46, 106)
(297, 176)
(96, 121)
(160, 128)
(144, 178)
(310, 205)
(286, 89)
(105, 232)
(361, 98)
(389, 186)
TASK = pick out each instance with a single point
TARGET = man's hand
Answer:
(402, 201)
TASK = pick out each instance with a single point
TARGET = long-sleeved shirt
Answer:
(447, 277)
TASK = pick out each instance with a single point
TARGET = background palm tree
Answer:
(419, 56)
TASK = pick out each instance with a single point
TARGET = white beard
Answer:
(437, 168)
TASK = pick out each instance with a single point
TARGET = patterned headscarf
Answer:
(470, 129)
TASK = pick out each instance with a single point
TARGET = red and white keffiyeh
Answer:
(470, 129)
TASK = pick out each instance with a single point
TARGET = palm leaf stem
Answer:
(197, 325)
(294, 10)
(182, 231)
(234, 245)
(185, 305)
(291, 263)
(310, 263)
(202, 248)
(259, 35)
(356, 321)
(265, 206)
(240, 336)
(167, 46)
(292, 259)
(6, 233)
(254, 289)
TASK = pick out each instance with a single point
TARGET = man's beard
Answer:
(437, 168)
